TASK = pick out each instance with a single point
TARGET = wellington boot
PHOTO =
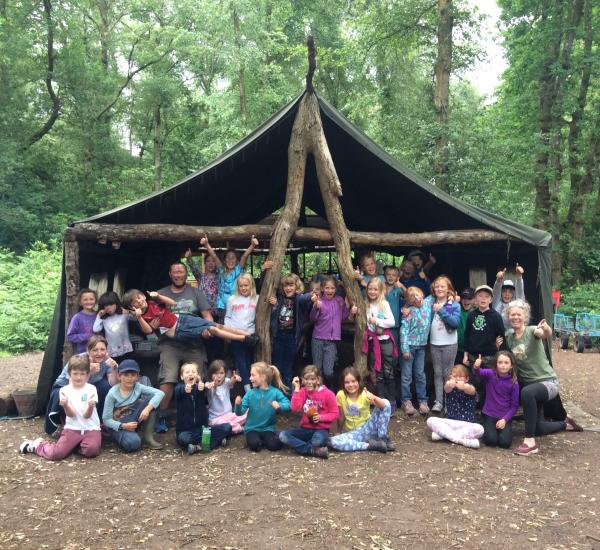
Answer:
(148, 432)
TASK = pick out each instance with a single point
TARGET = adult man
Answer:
(189, 301)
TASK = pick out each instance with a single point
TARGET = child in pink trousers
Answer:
(218, 393)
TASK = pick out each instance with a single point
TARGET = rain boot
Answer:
(148, 432)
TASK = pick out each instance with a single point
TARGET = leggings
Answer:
(374, 428)
(454, 430)
(493, 437)
(533, 397)
(442, 358)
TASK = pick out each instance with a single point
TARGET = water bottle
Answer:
(205, 439)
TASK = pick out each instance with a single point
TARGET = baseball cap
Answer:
(129, 365)
(468, 293)
(484, 288)
(508, 283)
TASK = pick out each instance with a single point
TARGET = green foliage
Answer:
(28, 290)
(581, 298)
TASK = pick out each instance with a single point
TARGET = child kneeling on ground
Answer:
(128, 405)
(192, 412)
(82, 425)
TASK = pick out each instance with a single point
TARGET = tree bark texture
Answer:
(441, 96)
(157, 137)
(89, 231)
(240, 62)
(71, 258)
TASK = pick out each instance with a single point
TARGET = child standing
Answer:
(128, 405)
(364, 430)
(328, 312)
(467, 301)
(414, 333)
(501, 399)
(241, 316)
(218, 393)
(81, 327)
(115, 325)
(82, 425)
(192, 413)
(459, 426)
(262, 403)
(505, 291)
(319, 409)
(369, 272)
(228, 271)
(378, 341)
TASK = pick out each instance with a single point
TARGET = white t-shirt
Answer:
(384, 319)
(219, 400)
(78, 399)
(439, 335)
(241, 313)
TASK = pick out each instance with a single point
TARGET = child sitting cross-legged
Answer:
(218, 393)
(319, 410)
(129, 405)
(192, 413)
(364, 430)
(262, 403)
(178, 327)
(82, 425)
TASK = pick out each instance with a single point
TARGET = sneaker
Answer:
(30, 445)
(389, 445)
(224, 442)
(161, 425)
(470, 443)
(526, 450)
(191, 449)
(423, 408)
(436, 437)
(321, 452)
(377, 445)
(251, 340)
(408, 408)
(437, 407)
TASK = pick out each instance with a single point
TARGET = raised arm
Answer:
(543, 330)
(248, 251)
(210, 250)
(162, 299)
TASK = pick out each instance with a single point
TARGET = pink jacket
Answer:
(323, 400)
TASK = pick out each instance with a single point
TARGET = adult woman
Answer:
(539, 383)
(103, 375)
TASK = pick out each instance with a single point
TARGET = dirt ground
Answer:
(426, 494)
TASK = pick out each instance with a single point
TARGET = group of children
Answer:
(463, 331)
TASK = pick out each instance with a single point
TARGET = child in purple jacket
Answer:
(501, 399)
(327, 313)
(81, 326)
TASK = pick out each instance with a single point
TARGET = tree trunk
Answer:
(71, 259)
(240, 63)
(156, 133)
(441, 96)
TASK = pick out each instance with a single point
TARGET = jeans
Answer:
(242, 359)
(284, 353)
(493, 437)
(302, 440)
(324, 355)
(130, 441)
(217, 434)
(374, 428)
(414, 368)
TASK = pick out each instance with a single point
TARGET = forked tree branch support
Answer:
(121, 233)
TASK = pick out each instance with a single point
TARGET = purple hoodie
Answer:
(501, 395)
(328, 319)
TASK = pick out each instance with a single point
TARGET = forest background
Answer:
(105, 101)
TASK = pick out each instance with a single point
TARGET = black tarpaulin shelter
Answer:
(248, 183)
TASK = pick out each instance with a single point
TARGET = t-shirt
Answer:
(165, 316)
(227, 284)
(241, 312)
(356, 413)
(116, 330)
(286, 319)
(190, 300)
(78, 400)
(532, 362)
(460, 406)
(439, 335)
(219, 400)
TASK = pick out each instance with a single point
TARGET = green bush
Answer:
(28, 291)
(582, 298)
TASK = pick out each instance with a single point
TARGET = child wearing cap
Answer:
(82, 425)
(505, 291)
(467, 303)
(128, 405)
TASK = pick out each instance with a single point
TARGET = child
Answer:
(208, 281)
(443, 336)
(219, 398)
(305, 344)
(414, 333)
(378, 341)
(172, 325)
(81, 326)
(369, 271)
(409, 277)
(115, 325)
(287, 322)
(192, 413)
(128, 405)
(459, 425)
(364, 431)
(319, 410)
(467, 301)
(505, 291)
(262, 403)
(240, 316)
(417, 257)
(501, 399)
(228, 271)
(328, 312)
(82, 425)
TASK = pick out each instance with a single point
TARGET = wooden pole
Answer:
(103, 233)
(71, 252)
